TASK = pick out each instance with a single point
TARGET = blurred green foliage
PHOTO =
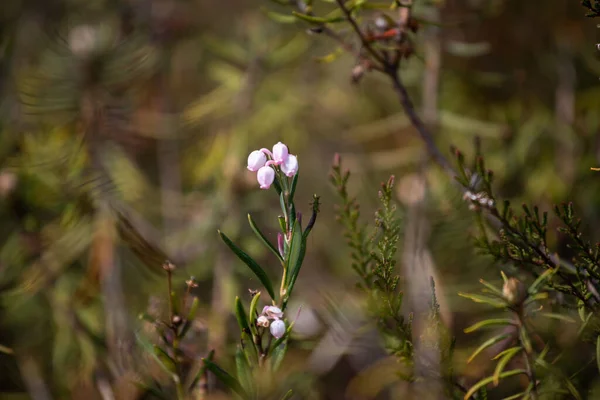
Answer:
(124, 131)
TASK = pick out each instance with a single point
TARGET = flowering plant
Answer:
(261, 349)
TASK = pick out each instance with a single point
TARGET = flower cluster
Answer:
(266, 164)
(272, 313)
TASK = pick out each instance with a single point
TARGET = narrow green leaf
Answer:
(165, 360)
(504, 277)
(572, 389)
(519, 395)
(225, 378)
(489, 322)
(253, 306)
(190, 317)
(249, 348)
(241, 316)
(524, 336)
(201, 371)
(558, 316)
(296, 257)
(288, 395)
(175, 303)
(293, 187)
(581, 310)
(281, 220)
(490, 342)
(263, 238)
(540, 280)
(244, 372)
(503, 362)
(502, 353)
(492, 301)
(493, 288)
(489, 380)
(281, 18)
(536, 297)
(317, 20)
(258, 271)
(277, 356)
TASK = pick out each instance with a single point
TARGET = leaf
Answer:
(241, 316)
(317, 20)
(489, 380)
(249, 348)
(572, 389)
(253, 305)
(263, 238)
(484, 299)
(277, 356)
(293, 187)
(201, 371)
(165, 360)
(296, 257)
(490, 342)
(536, 297)
(493, 288)
(281, 18)
(540, 279)
(225, 378)
(258, 271)
(190, 317)
(288, 395)
(489, 322)
(524, 336)
(244, 371)
(557, 316)
(509, 354)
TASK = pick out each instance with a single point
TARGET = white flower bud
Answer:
(280, 153)
(256, 160)
(277, 328)
(265, 177)
(290, 166)
(262, 321)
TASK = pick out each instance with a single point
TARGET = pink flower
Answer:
(280, 153)
(262, 321)
(290, 166)
(256, 160)
(277, 328)
(272, 312)
(265, 177)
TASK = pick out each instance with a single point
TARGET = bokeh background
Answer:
(123, 140)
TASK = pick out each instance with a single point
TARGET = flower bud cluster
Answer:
(266, 163)
(271, 317)
(480, 199)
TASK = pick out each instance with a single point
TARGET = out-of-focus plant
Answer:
(374, 260)
(522, 351)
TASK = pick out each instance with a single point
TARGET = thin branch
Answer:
(359, 33)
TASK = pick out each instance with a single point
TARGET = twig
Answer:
(359, 33)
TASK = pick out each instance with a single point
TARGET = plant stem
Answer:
(527, 356)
